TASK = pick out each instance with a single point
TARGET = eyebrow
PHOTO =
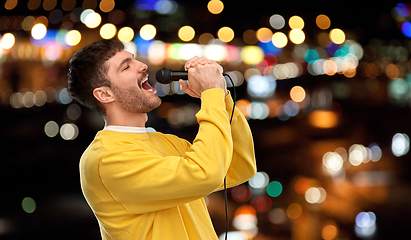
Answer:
(123, 62)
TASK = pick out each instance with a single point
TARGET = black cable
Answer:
(225, 178)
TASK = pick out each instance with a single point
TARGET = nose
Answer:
(142, 67)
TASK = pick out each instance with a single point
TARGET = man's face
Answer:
(130, 85)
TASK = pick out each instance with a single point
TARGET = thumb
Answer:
(185, 88)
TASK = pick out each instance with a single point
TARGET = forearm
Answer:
(243, 165)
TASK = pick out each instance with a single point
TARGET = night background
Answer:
(325, 86)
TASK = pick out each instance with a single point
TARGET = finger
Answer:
(186, 89)
(198, 61)
(190, 62)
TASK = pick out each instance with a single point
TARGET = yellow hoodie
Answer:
(151, 185)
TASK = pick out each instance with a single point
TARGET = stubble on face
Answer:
(132, 102)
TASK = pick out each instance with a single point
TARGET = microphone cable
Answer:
(225, 178)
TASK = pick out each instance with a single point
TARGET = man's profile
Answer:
(150, 185)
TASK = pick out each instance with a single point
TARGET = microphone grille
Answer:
(163, 75)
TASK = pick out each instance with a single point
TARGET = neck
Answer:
(126, 119)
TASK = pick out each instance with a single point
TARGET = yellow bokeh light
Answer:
(323, 119)
(93, 20)
(296, 22)
(73, 38)
(148, 32)
(215, 6)
(297, 94)
(108, 31)
(225, 34)
(7, 41)
(186, 33)
(279, 39)
(337, 36)
(252, 54)
(264, 35)
(323, 21)
(38, 31)
(107, 5)
(297, 36)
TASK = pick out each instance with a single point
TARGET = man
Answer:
(145, 185)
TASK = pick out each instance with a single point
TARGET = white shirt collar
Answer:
(125, 129)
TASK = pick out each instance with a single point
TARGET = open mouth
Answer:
(146, 86)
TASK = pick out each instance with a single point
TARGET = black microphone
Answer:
(166, 75)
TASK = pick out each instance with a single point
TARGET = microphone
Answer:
(166, 75)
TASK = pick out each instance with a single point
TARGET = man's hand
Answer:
(203, 74)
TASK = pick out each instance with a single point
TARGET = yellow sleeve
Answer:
(144, 182)
(243, 165)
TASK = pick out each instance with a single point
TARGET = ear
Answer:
(104, 94)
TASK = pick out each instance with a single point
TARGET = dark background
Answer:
(46, 169)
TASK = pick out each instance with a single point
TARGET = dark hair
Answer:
(87, 70)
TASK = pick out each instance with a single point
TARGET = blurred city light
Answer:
(148, 32)
(215, 6)
(108, 31)
(279, 39)
(28, 204)
(400, 144)
(277, 21)
(365, 224)
(126, 34)
(323, 21)
(186, 33)
(225, 34)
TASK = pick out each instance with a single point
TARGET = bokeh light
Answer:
(297, 36)
(108, 31)
(323, 21)
(147, 32)
(215, 6)
(297, 94)
(28, 204)
(329, 232)
(296, 22)
(274, 189)
(277, 21)
(252, 55)
(7, 41)
(261, 86)
(38, 31)
(400, 144)
(260, 180)
(69, 131)
(294, 212)
(264, 34)
(301, 185)
(186, 33)
(73, 38)
(51, 129)
(279, 39)
(277, 216)
(365, 224)
(225, 34)
(92, 20)
(337, 36)
(126, 34)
